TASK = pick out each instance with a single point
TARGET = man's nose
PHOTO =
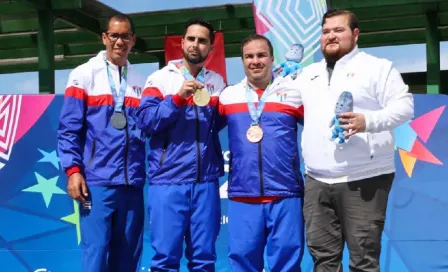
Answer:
(256, 60)
(119, 41)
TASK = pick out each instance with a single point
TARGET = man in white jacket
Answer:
(347, 185)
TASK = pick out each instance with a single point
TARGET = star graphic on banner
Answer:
(50, 157)
(409, 139)
(74, 219)
(47, 187)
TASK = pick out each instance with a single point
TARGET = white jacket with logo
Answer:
(378, 92)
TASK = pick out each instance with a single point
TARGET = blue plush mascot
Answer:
(344, 104)
(292, 64)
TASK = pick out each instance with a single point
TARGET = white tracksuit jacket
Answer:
(378, 92)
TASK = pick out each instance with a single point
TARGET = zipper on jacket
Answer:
(198, 148)
(260, 165)
(92, 153)
(126, 147)
(369, 143)
(162, 158)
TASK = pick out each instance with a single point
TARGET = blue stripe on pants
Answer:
(278, 226)
(112, 230)
(192, 211)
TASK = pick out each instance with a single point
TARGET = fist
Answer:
(189, 87)
(77, 187)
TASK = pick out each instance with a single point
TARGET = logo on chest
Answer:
(281, 96)
(137, 90)
(210, 87)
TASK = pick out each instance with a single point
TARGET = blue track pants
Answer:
(187, 213)
(112, 229)
(276, 226)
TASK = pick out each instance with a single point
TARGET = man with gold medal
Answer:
(178, 111)
(265, 185)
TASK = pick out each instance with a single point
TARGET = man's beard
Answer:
(336, 55)
(194, 60)
(333, 56)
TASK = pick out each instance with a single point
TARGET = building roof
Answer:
(78, 25)
(396, 22)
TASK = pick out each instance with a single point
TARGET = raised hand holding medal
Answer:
(194, 87)
(118, 119)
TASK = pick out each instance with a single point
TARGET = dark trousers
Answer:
(352, 212)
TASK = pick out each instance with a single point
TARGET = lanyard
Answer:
(255, 112)
(187, 74)
(118, 98)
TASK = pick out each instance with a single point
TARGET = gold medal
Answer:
(254, 134)
(201, 97)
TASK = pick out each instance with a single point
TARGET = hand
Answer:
(189, 87)
(77, 187)
(356, 123)
(290, 68)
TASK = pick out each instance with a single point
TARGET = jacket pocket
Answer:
(296, 171)
(230, 169)
(92, 154)
(162, 158)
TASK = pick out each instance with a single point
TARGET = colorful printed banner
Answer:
(286, 22)
(39, 231)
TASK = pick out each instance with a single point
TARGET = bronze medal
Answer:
(254, 134)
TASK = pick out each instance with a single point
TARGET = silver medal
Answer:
(118, 120)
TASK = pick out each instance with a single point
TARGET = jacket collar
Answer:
(98, 61)
(173, 68)
(274, 86)
(345, 59)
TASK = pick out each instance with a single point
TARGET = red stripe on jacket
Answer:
(177, 99)
(76, 92)
(268, 107)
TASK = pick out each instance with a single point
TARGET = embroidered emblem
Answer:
(281, 96)
(210, 87)
(137, 90)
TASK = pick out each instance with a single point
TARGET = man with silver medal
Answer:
(179, 112)
(118, 119)
(103, 152)
(265, 186)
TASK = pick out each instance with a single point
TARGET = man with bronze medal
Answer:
(102, 151)
(265, 186)
(179, 113)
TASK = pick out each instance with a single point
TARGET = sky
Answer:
(406, 58)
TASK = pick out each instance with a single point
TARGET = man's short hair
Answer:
(201, 22)
(352, 19)
(120, 18)
(254, 37)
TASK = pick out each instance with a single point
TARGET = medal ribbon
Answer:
(118, 98)
(187, 74)
(255, 112)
